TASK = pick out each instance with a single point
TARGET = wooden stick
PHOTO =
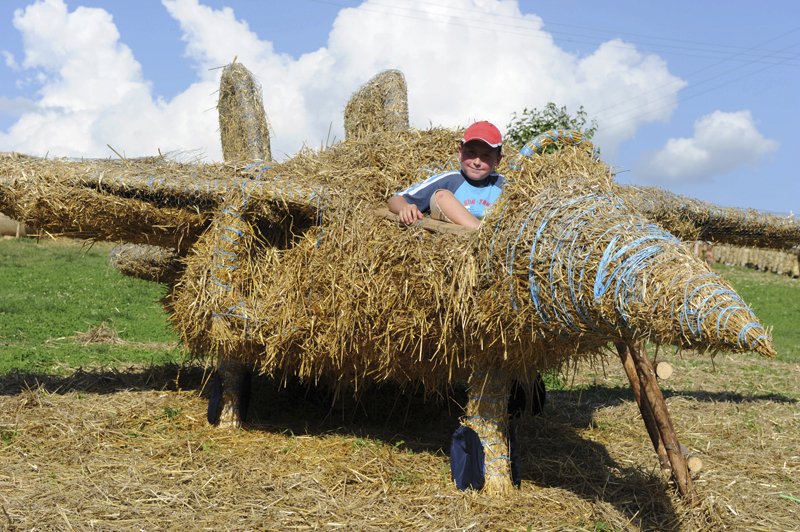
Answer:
(427, 223)
(652, 394)
(644, 406)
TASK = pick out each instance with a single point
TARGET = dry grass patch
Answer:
(126, 449)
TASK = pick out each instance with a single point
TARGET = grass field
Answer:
(775, 300)
(54, 291)
(118, 445)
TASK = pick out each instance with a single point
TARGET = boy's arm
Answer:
(454, 210)
(408, 212)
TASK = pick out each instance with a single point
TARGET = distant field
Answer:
(775, 300)
(52, 291)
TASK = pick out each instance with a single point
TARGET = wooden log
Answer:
(694, 463)
(10, 227)
(644, 407)
(664, 370)
(652, 394)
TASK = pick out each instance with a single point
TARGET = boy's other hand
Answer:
(410, 214)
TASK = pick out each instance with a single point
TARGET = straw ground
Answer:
(125, 449)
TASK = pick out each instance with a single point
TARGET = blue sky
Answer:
(696, 97)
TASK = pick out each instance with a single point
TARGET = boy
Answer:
(458, 196)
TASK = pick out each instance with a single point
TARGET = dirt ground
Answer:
(127, 450)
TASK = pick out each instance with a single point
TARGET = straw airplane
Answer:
(296, 269)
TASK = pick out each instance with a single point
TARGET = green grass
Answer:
(776, 301)
(50, 291)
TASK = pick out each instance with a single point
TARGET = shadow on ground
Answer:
(107, 380)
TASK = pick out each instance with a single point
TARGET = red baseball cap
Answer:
(484, 131)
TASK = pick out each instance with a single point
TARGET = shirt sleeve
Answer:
(421, 193)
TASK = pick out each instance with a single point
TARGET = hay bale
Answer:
(244, 135)
(381, 104)
(283, 253)
(779, 261)
(151, 263)
(243, 127)
(158, 202)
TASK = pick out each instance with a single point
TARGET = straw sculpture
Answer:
(381, 104)
(243, 126)
(692, 219)
(293, 269)
(152, 263)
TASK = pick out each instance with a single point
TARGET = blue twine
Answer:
(687, 312)
(716, 293)
(611, 253)
(729, 311)
(233, 230)
(232, 213)
(699, 308)
(743, 333)
(224, 253)
(758, 339)
(218, 282)
(230, 267)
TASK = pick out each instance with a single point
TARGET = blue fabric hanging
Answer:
(467, 459)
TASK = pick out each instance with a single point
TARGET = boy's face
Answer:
(478, 159)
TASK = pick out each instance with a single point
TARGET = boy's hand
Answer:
(410, 214)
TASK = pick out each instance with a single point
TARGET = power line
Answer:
(683, 47)
(746, 55)
(621, 121)
(704, 69)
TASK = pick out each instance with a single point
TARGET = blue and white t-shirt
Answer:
(476, 196)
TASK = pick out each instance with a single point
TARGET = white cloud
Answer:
(463, 60)
(622, 89)
(722, 142)
(10, 62)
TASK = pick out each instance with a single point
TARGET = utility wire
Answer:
(682, 98)
(684, 47)
(704, 69)
(747, 56)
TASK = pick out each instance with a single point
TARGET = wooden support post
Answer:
(652, 394)
(644, 406)
(487, 415)
(235, 380)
